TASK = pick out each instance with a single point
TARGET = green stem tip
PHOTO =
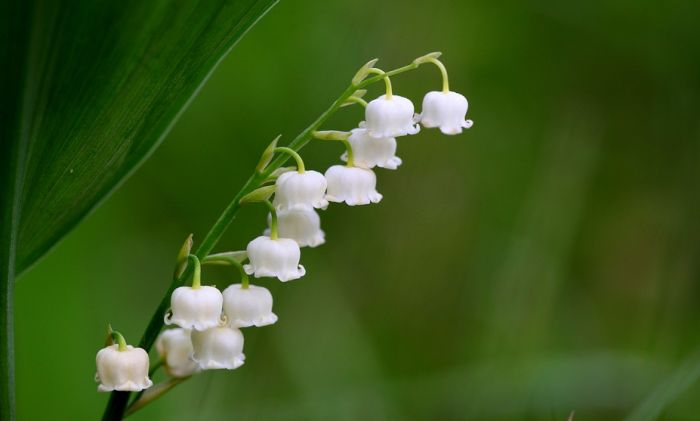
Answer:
(245, 280)
(387, 81)
(118, 338)
(197, 275)
(294, 154)
(443, 71)
(351, 156)
(228, 260)
(273, 222)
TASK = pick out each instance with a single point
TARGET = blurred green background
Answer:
(545, 261)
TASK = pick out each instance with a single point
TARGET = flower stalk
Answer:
(227, 260)
(197, 276)
(294, 154)
(118, 401)
(118, 338)
(387, 81)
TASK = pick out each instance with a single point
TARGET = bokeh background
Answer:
(545, 261)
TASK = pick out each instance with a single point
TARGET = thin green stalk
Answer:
(443, 71)
(197, 268)
(291, 152)
(118, 339)
(118, 400)
(358, 101)
(226, 260)
(387, 81)
(273, 219)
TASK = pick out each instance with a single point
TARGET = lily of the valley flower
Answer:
(300, 189)
(276, 258)
(248, 306)
(175, 348)
(352, 185)
(302, 225)
(370, 152)
(197, 308)
(122, 367)
(446, 110)
(217, 348)
(390, 116)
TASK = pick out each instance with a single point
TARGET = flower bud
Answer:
(446, 110)
(125, 370)
(302, 225)
(251, 306)
(175, 348)
(218, 347)
(390, 117)
(295, 189)
(369, 152)
(352, 185)
(274, 258)
(195, 308)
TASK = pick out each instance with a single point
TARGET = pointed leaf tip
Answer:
(267, 155)
(185, 251)
(258, 195)
(364, 71)
(427, 57)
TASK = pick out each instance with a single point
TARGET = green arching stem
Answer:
(118, 338)
(358, 101)
(273, 222)
(387, 81)
(197, 277)
(340, 137)
(294, 154)
(245, 280)
(217, 260)
(351, 156)
(118, 400)
(443, 70)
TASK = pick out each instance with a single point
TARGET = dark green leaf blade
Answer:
(107, 80)
(87, 91)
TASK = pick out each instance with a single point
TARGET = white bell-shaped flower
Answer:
(195, 308)
(274, 258)
(175, 349)
(302, 225)
(370, 152)
(390, 117)
(300, 189)
(446, 110)
(352, 185)
(218, 347)
(251, 306)
(123, 370)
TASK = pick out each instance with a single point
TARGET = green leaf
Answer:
(88, 90)
(103, 83)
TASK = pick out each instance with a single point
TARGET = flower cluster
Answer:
(208, 322)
